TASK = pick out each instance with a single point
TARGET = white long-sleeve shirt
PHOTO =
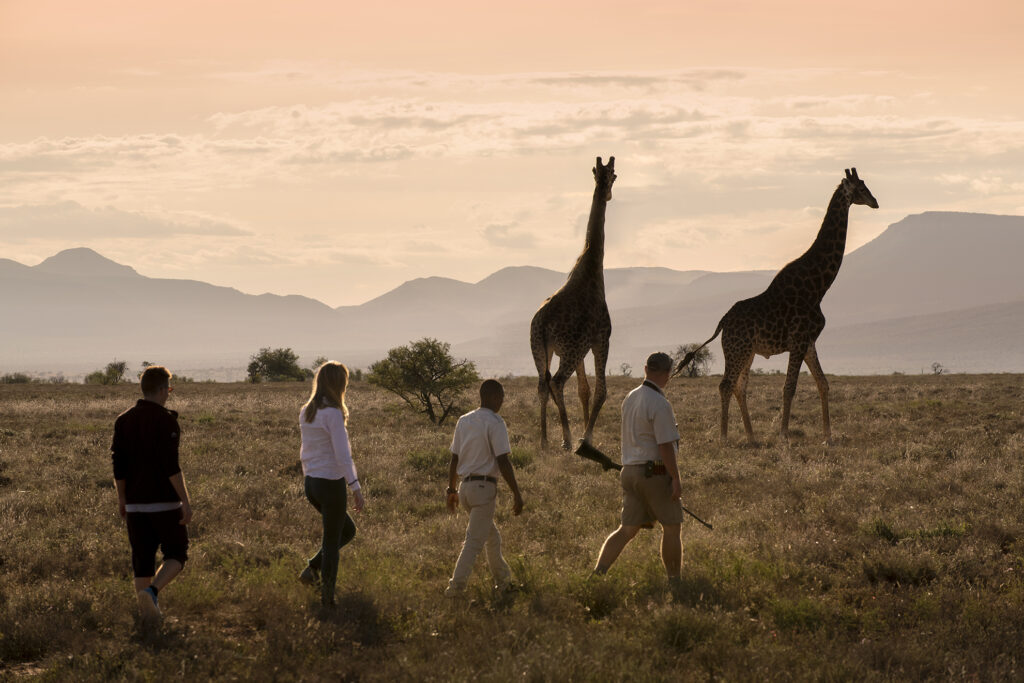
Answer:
(325, 452)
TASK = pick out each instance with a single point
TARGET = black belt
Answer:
(481, 477)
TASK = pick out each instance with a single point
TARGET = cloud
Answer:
(986, 185)
(707, 159)
(696, 79)
(70, 220)
(507, 235)
(659, 122)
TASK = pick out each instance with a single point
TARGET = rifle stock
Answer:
(585, 450)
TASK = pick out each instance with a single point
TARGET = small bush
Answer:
(112, 374)
(426, 377)
(433, 462)
(520, 458)
(276, 365)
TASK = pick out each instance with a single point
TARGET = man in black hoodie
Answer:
(151, 494)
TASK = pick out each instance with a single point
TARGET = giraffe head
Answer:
(604, 176)
(857, 191)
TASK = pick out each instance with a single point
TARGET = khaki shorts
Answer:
(648, 499)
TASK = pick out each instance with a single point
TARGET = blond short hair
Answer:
(153, 379)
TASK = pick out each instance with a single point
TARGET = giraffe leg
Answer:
(819, 378)
(734, 364)
(542, 359)
(542, 394)
(600, 388)
(796, 359)
(740, 391)
(725, 391)
(584, 390)
(557, 385)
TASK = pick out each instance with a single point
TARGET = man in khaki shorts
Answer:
(480, 450)
(650, 476)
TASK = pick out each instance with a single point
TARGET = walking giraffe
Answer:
(787, 315)
(575, 320)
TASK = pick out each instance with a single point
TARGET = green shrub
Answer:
(431, 462)
(112, 374)
(425, 376)
(276, 365)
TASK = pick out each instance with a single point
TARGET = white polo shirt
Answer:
(647, 420)
(480, 437)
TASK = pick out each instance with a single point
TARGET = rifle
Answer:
(696, 517)
(585, 450)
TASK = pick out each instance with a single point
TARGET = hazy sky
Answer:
(337, 149)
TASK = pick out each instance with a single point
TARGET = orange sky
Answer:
(277, 146)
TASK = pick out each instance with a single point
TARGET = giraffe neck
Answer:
(825, 255)
(590, 264)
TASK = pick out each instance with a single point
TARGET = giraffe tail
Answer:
(540, 353)
(690, 355)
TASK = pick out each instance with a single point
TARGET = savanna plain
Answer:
(895, 553)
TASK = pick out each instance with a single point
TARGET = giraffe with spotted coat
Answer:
(787, 316)
(574, 321)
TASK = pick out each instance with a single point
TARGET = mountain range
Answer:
(936, 287)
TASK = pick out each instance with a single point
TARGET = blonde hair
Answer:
(328, 390)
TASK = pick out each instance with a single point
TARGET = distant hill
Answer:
(978, 339)
(934, 287)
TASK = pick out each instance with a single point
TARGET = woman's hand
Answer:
(357, 500)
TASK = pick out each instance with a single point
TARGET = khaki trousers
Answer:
(479, 498)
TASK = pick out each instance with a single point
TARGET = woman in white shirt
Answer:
(327, 467)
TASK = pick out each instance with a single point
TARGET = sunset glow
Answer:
(336, 150)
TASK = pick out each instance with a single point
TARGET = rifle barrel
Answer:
(696, 517)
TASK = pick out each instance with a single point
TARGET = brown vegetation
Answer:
(896, 553)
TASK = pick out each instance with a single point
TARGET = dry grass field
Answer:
(896, 553)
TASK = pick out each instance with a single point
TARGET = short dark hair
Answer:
(155, 377)
(659, 361)
(491, 387)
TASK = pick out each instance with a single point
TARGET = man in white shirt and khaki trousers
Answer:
(480, 450)
(650, 475)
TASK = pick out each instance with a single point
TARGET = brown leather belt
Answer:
(653, 469)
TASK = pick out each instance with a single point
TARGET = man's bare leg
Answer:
(148, 606)
(671, 550)
(613, 546)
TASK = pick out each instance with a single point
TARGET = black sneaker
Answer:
(309, 576)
